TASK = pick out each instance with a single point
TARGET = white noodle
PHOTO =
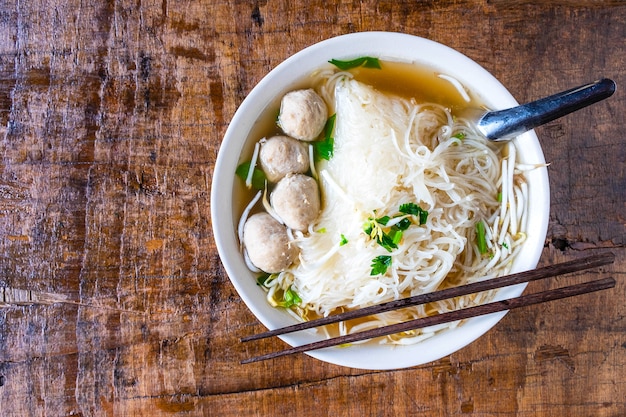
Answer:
(511, 205)
(255, 155)
(456, 85)
(312, 163)
(269, 209)
(244, 216)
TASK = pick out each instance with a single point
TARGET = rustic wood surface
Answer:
(111, 117)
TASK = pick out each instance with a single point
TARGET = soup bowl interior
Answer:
(288, 75)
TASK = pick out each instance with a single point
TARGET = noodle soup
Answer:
(373, 186)
(434, 205)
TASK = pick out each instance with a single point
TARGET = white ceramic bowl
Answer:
(283, 78)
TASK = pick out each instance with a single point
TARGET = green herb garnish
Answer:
(364, 61)
(290, 299)
(414, 209)
(481, 240)
(380, 264)
(383, 220)
(262, 279)
(390, 237)
(396, 235)
(387, 239)
(323, 149)
(343, 240)
(258, 176)
(403, 224)
(285, 299)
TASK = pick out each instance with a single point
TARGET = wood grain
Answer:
(111, 117)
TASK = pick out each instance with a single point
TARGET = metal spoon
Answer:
(505, 124)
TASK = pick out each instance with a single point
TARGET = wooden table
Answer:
(111, 117)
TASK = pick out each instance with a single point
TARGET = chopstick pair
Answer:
(483, 309)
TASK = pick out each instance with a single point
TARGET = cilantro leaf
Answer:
(383, 220)
(380, 264)
(388, 241)
(414, 209)
(410, 208)
(403, 224)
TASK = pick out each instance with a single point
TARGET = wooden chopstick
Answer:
(575, 265)
(465, 313)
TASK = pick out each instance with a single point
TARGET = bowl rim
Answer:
(384, 45)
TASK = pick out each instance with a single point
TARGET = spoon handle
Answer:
(506, 124)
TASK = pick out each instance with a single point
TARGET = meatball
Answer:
(267, 243)
(282, 155)
(296, 200)
(303, 114)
